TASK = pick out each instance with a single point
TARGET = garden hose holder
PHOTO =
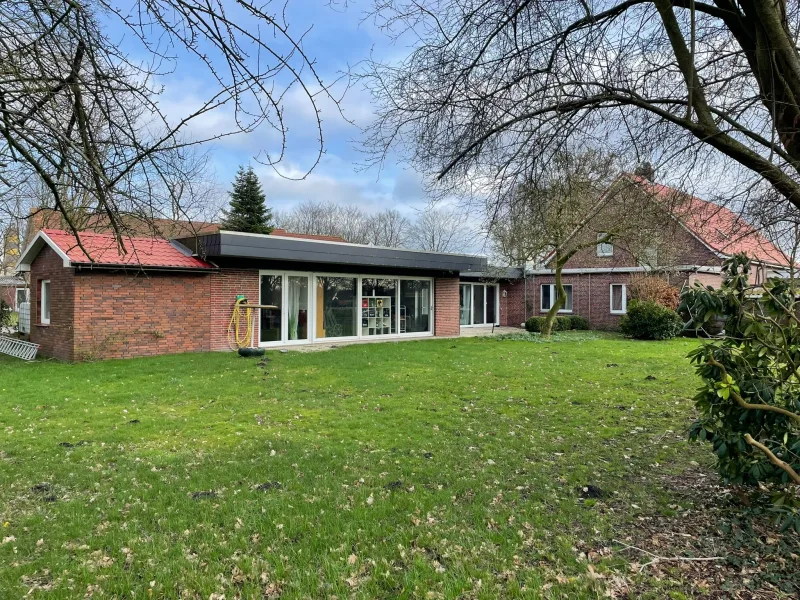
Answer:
(242, 316)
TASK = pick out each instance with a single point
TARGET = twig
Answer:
(773, 459)
(657, 558)
(747, 405)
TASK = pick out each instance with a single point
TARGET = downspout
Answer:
(590, 297)
(525, 296)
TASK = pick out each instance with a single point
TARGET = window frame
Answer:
(313, 339)
(624, 299)
(552, 287)
(42, 319)
(600, 252)
(16, 297)
(488, 288)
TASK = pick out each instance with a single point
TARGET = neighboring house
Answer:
(162, 296)
(13, 291)
(696, 238)
(132, 225)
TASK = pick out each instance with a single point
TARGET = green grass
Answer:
(435, 469)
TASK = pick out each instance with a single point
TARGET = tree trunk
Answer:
(561, 296)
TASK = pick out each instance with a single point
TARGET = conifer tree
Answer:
(248, 211)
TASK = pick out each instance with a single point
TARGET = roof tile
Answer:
(718, 227)
(138, 252)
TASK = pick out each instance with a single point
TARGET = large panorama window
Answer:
(378, 306)
(298, 307)
(336, 307)
(415, 305)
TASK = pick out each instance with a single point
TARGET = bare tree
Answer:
(491, 91)
(348, 221)
(389, 228)
(547, 219)
(83, 119)
(440, 229)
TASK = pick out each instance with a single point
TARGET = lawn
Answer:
(470, 468)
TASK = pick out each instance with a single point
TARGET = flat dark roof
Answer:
(492, 273)
(232, 244)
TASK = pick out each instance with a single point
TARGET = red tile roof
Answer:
(718, 227)
(307, 236)
(139, 252)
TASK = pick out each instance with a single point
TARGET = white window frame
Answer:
(16, 297)
(486, 287)
(552, 287)
(312, 308)
(624, 299)
(601, 247)
(42, 319)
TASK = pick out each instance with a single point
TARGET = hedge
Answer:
(562, 323)
(646, 320)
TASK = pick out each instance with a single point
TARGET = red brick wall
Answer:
(124, 314)
(590, 296)
(680, 248)
(225, 286)
(56, 339)
(446, 307)
(512, 306)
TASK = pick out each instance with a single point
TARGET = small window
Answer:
(45, 302)
(21, 297)
(548, 296)
(619, 299)
(650, 257)
(604, 248)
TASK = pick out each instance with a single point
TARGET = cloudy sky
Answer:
(339, 38)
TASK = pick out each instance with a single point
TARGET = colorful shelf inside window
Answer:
(376, 315)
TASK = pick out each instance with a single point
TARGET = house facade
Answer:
(92, 300)
(695, 237)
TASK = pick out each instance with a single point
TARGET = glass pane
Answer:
(46, 301)
(546, 289)
(616, 297)
(568, 303)
(336, 307)
(271, 286)
(297, 305)
(379, 303)
(415, 298)
(464, 302)
(491, 300)
(477, 305)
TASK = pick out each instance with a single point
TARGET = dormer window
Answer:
(604, 248)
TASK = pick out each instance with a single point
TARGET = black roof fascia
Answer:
(248, 246)
(494, 274)
(227, 262)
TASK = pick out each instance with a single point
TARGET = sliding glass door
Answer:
(284, 308)
(477, 304)
(305, 307)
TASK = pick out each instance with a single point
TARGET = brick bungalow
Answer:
(178, 295)
(162, 296)
(701, 235)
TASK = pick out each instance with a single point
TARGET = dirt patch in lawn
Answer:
(722, 542)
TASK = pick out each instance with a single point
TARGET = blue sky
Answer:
(339, 38)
